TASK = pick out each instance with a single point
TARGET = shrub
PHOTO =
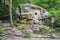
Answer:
(51, 36)
(43, 30)
(16, 23)
(57, 29)
(23, 21)
(22, 26)
(47, 22)
(56, 14)
(36, 31)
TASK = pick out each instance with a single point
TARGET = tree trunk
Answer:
(11, 13)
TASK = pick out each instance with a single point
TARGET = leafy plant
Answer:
(1, 31)
(51, 36)
(57, 30)
(47, 22)
(26, 34)
(22, 26)
(24, 21)
(43, 30)
(36, 31)
(16, 23)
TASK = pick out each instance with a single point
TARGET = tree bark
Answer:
(11, 13)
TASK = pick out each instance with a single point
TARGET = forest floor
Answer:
(12, 33)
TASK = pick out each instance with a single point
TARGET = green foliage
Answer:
(43, 30)
(56, 14)
(57, 30)
(22, 26)
(24, 21)
(36, 31)
(26, 34)
(1, 31)
(0, 23)
(53, 6)
(4, 8)
(51, 36)
(16, 23)
(47, 22)
(58, 1)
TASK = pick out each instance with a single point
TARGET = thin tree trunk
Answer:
(11, 13)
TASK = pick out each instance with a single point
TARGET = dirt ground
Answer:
(13, 34)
